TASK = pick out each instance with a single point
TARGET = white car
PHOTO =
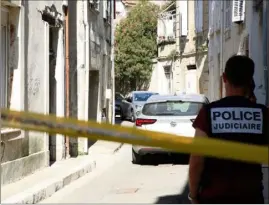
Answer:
(172, 114)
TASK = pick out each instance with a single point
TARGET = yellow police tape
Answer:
(101, 131)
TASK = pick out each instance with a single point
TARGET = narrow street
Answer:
(117, 180)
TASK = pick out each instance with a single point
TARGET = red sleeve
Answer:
(201, 121)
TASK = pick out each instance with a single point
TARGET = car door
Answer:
(127, 104)
(123, 103)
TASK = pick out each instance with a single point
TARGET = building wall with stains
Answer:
(243, 38)
(36, 78)
(191, 69)
(29, 67)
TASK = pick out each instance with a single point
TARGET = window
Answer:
(238, 14)
(172, 108)
(166, 28)
(211, 5)
(183, 10)
(199, 16)
(168, 76)
(94, 4)
(228, 14)
(107, 10)
(4, 71)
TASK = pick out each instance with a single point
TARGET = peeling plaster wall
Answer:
(231, 43)
(29, 151)
(254, 28)
(193, 81)
(100, 49)
(35, 65)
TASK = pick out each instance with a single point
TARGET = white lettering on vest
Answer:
(237, 120)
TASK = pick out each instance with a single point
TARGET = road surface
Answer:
(117, 180)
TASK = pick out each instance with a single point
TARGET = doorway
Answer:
(93, 99)
(53, 43)
(191, 79)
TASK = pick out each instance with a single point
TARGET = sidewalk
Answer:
(44, 183)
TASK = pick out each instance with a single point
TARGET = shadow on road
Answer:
(118, 120)
(157, 159)
(181, 198)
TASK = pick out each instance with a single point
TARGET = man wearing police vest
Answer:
(234, 118)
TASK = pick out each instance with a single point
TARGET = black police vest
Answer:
(235, 119)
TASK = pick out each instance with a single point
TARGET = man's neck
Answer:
(235, 92)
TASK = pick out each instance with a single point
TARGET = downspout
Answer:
(221, 47)
(0, 116)
(113, 10)
(265, 51)
(87, 66)
(67, 71)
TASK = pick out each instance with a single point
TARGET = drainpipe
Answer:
(67, 71)
(87, 67)
(221, 46)
(113, 10)
(265, 51)
(87, 60)
(0, 118)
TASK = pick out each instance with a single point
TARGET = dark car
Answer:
(123, 108)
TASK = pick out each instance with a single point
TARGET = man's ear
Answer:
(224, 77)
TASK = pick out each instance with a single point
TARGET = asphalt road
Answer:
(117, 180)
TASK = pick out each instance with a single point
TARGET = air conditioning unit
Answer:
(161, 39)
(171, 38)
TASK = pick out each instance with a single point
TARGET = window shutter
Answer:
(183, 6)
(215, 14)
(218, 9)
(238, 12)
(170, 29)
(210, 17)
(200, 15)
(214, 5)
(105, 9)
(3, 67)
(160, 30)
(196, 16)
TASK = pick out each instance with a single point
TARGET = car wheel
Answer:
(132, 116)
(136, 158)
(122, 117)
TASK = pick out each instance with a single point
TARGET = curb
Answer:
(49, 187)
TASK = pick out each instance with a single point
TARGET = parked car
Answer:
(138, 98)
(172, 114)
(123, 107)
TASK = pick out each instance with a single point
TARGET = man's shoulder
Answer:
(262, 106)
(216, 102)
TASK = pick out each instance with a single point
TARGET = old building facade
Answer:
(55, 59)
(182, 49)
(238, 29)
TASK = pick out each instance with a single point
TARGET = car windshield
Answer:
(174, 108)
(143, 96)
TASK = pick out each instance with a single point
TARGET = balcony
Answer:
(166, 28)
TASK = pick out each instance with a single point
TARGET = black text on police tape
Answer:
(236, 120)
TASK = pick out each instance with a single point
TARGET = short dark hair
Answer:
(239, 70)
